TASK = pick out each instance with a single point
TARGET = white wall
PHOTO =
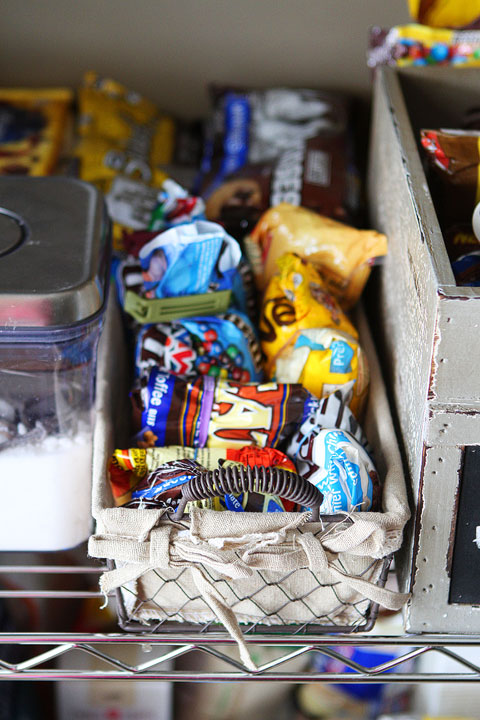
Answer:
(170, 49)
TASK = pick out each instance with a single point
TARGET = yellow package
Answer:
(444, 13)
(32, 129)
(341, 253)
(296, 299)
(324, 359)
(121, 133)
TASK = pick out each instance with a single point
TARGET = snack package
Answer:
(221, 346)
(209, 412)
(454, 158)
(332, 412)
(295, 300)
(341, 253)
(125, 144)
(330, 450)
(277, 145)
(128, 467)
(444, 13)
(33, 126)
(163, 488)
(122, 133)
(421, 45)
(190, 259)
(137, 206)
(322, 360)
(175, 206)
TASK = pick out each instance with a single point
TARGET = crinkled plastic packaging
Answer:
(33, 126)
(454, 158)
(122, 133)
(221, 346)
(209, 412)
(331, 451)
(341, 253)
(296, 299)
(175, 206)
(189, 259)
(276, 145)
(131, 467)
(125, 142)
(323, 359)
(420, 45)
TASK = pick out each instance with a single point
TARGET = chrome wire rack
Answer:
(27, 655)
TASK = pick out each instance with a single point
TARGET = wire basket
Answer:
(267, 572)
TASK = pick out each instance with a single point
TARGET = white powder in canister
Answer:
(45, 493)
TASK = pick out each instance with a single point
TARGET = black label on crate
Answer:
(465, 578)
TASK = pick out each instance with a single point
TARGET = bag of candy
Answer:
(342, 254)
(264, 147)
(134, 470)
(221, 346)
(212, 412)
(330, 450)
(33, 126)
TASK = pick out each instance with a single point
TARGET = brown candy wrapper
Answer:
(454, 157)
(204, 412)
(277, 145)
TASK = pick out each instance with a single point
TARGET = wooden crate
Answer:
(430, 331)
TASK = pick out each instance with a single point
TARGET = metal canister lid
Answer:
(54, 252)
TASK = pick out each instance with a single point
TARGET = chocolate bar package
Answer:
(265, 147)
(454, 161)
(210, 412)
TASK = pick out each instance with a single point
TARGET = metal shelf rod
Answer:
(51, 569)
(185, 676)
(430, 641)
(59, 594)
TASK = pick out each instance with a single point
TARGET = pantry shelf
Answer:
(40, 650)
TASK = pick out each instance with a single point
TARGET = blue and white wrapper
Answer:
(340, 468)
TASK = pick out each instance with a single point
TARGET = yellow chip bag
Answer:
(296, 299)
(33, 123)
(341, 253)
(322, 360)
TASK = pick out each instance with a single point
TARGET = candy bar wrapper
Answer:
(454, 159)
(128, 468)
(296, 299)
(420, 45)
(339, 467)
(275, 145)
(220, 346)
(125, 143)
(208, 412)
(322, 359)
(330, 449)
(191, 259)
(122, 133)
(33, 125)
(175, 206)
(342, 254)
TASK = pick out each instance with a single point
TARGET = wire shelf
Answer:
(40, 650)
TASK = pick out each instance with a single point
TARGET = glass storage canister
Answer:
(54, 269)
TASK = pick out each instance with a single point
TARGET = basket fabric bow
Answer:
(277, 548)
